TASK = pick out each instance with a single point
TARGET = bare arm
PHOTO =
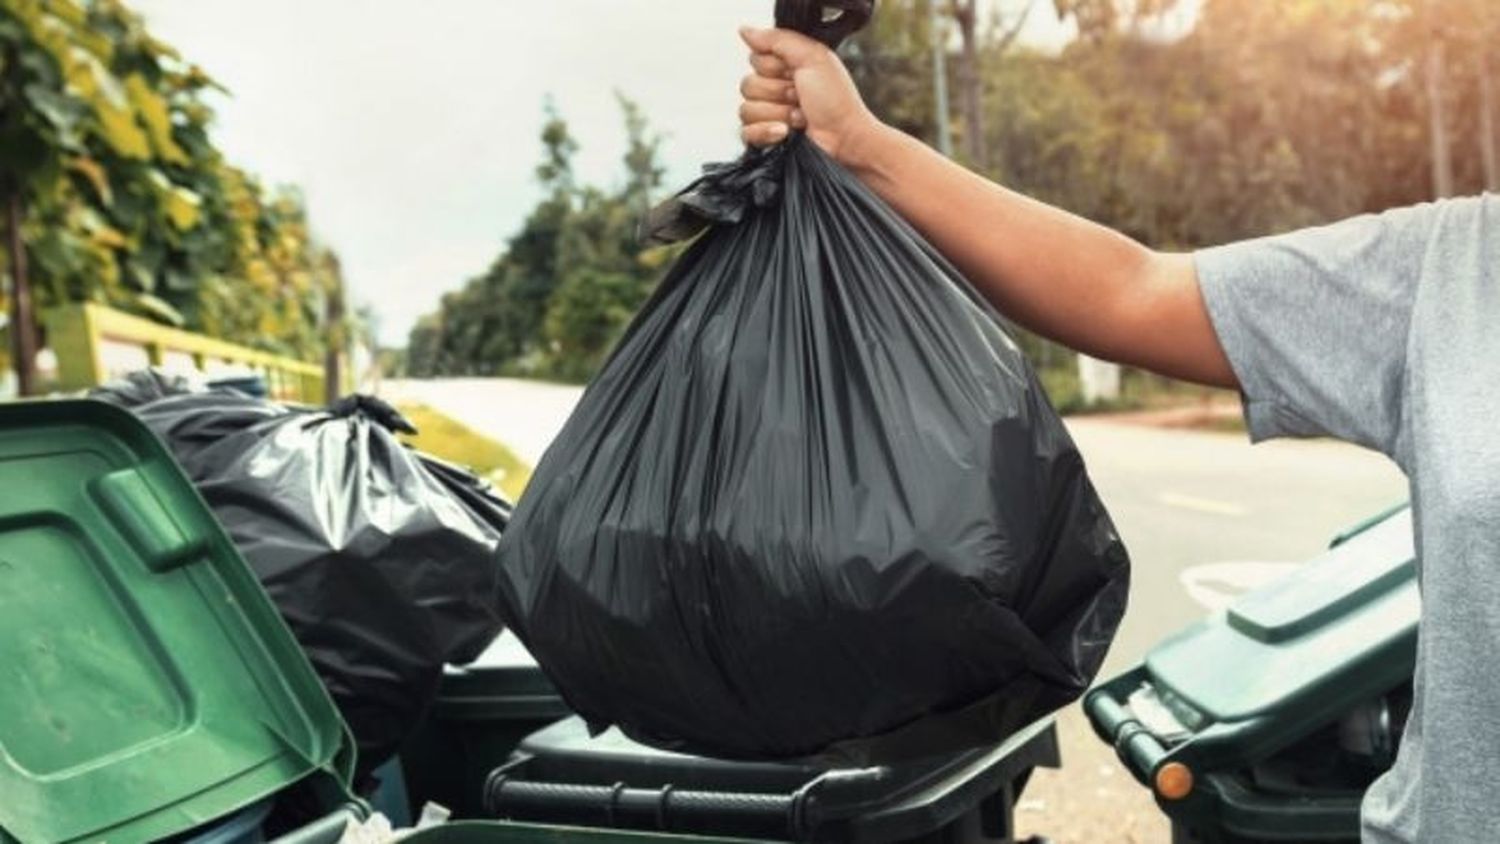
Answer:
(1053, 272)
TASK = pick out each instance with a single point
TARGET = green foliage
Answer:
(445, 437)
(588, 312)
(556, 169)
(104, 141)
(642, 157)
(559, 296)
(1268, 115)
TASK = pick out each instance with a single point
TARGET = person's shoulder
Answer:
(1460, 241)
(1421, 227)
(1471, 220)
(1440, 211)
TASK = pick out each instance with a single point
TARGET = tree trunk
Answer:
(1487, 141)
(1437, 112)
(943, 116)
(22, 318)
(333, 359)
(971, 82)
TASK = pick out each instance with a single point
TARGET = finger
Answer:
(754, 111)
(757, 87)
(798, 119)
(765, 134)
(770, 66)
(794, 48)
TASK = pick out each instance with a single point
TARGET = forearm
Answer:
(1053, 272)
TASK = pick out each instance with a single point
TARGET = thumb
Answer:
(794, 48)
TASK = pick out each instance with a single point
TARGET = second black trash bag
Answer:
(380, 559)
(816, 502)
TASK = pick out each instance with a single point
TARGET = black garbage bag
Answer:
(381, 559)
(144, 386)
(816, 502)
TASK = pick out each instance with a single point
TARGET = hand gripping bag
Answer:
(816, 502)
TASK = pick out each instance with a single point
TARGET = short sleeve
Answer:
(1316, 324)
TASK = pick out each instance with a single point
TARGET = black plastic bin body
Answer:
(1282, 709)
(481, 714)
(563, 775)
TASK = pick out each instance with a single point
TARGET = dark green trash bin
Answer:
(1267, 722)
(149, 684)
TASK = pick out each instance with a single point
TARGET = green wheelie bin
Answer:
(1267, 722)
(150, 687)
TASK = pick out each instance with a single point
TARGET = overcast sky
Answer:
(412, 127)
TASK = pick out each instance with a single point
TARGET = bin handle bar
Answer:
(1134, 744)
(665, 809)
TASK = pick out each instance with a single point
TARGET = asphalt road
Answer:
(1206, 516)
(524, 415)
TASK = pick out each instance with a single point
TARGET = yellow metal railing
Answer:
(82, 334)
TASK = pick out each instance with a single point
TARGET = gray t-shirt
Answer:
(1381, 330)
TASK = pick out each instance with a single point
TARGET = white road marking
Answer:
(1202, 505)
(1215, 586)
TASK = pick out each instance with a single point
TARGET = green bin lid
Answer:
(149, 685)
(1334, 620)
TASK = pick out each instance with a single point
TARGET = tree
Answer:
(337, 325)
(567, 283)
(890, 61)
(589, 311)
(1439, 50)
(970, 80)
(423, 347)
(556, 170)
(1100, 19)
(971, 75)
(1436, 73)
(40, 124)
(1267, 115)
(1489, 154)
(643, 169)
(114, 193)
(1486, 32)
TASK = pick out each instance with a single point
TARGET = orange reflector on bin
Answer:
(1174, 781)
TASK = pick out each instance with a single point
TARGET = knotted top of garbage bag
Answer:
(726, 191)
(722, 195)
(375, 409)
(829, 21)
